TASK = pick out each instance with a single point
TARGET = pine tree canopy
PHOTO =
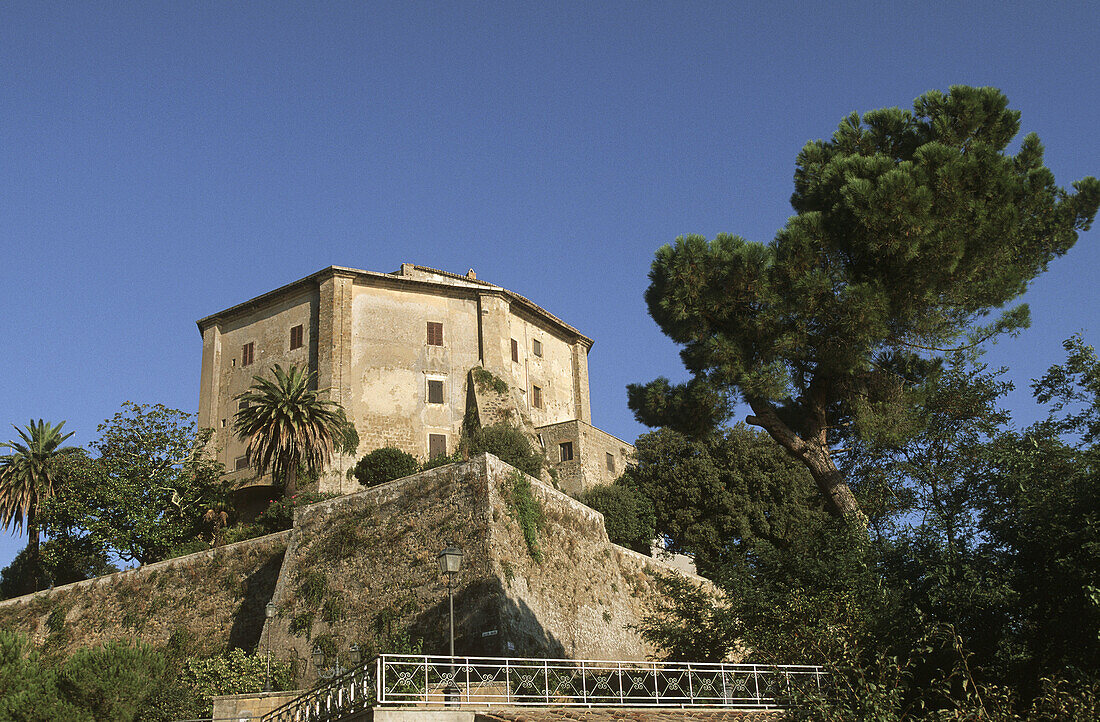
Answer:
(913, 231)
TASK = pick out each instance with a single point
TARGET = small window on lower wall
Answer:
(241, 462)
(611, 463)
(296, 337)
(536, 397)
(437, 445)
(565, 450)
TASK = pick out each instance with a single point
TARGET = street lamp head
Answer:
(356, 656)
(270, 610)
(450, 560)
(318, 656)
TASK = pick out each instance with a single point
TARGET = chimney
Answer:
(471, 275)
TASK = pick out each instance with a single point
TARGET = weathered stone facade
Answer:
(369, 338)
(369, 559)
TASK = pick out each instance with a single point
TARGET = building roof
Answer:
(408, 273)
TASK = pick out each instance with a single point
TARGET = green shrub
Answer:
(112, 681)
(628, 515)
(486, 380)
(279, 515)
(441, 460)
(505, 442)
(385, 464)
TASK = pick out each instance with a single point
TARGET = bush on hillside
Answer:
(385, 464)
(505, 442)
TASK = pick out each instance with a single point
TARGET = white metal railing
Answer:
(347, 694)
(488, 681)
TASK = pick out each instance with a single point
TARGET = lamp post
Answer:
(269, 614)
(450, 564)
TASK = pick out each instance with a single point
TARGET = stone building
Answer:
(401, 352)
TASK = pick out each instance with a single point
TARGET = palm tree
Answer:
(28, 476)
(288, 427)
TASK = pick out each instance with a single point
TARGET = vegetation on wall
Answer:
(486, 380)
(507, 443)
(526, 510)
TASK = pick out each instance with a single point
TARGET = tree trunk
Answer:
(814, 455)
(291, 481)
(33, 556)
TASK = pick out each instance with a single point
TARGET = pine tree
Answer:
(911, 227)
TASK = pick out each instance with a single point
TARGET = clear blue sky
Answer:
(162, 161)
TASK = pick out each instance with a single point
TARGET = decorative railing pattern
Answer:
(487, 681)
(414, 680)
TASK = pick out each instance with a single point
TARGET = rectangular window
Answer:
(536, 347)
(223, 423)
(536, 397)
(246, 353)
(242, 405)
(435, 333)
(435, 391)
(296, 334)
(542, 441)
(515, 351)
(241, 462)
(565, 450)
(611, 463)
(437, 445)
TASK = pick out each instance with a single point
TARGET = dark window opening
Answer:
(437, 445)
(536, 397)
(611, 463)
(242, 405)
(241, 462)
(565, 450)
(536, 347)
(247, 353)
(435, 333)
(435, 392)
(296, 335)
(515, 351)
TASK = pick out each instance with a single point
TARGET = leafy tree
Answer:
(288, 427)
(507, 443)
(910, 228)
(627, 514)
(147, 488)
(63, 560)
(28, 477)
(385, 464)
(714, 497)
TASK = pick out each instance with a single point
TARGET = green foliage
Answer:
(488, 381)
(112, 681)
(147, 489)
(628, 514)
(441, 460)
(527, 511)
(63, 560)
(385, 464)
(312, 587)
(234, 672)
(910, 227)
(507, 443)
(287, 426)
(279, 514)
(713, 497)
(29, 477)
(690, 623)
(28, 688)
